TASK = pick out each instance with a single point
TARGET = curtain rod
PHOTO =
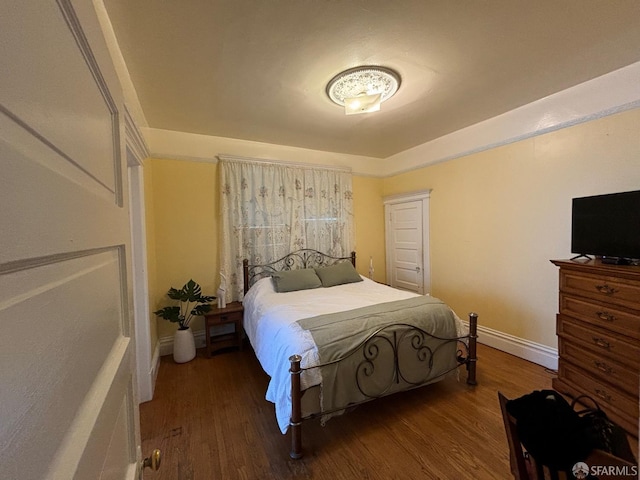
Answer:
(261, 161)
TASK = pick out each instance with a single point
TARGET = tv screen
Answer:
(607, 225)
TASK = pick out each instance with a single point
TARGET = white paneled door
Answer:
(68, 407)
(405, 226)
(406, 239)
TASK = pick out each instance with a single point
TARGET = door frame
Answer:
(146, 368)
(423, 196)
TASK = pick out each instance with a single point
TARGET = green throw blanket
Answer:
(401, 360)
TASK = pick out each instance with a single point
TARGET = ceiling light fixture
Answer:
(363, 89)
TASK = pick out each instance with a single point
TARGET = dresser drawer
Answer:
(230, 317)
(601, 392)
(603, 288)
(626, 421)
(599, 341)
(623, 321)
(607, 370)
(598, 327)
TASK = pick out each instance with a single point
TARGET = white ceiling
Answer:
(257, 69)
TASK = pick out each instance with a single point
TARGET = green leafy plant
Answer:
(192, 304)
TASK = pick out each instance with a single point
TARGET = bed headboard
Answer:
(304, 258)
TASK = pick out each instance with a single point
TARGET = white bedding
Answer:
(270, 323)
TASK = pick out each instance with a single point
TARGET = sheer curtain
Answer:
(271, 209)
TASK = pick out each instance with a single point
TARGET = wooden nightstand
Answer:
(231, 314)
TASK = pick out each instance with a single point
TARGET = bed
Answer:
(331, 339)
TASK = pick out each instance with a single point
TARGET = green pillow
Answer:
(337, 274)
(292, 280)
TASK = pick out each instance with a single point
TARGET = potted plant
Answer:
(191, 304)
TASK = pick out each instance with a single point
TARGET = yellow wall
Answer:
(499, 216)
(184, 201)
(368, 212)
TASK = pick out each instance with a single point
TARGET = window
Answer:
(269, 210)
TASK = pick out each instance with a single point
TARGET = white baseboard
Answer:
(525, 349)
(521, 348)
(155, 366)
(148, 382)
(166, 345)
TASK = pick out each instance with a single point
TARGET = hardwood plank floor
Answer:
(211, 421)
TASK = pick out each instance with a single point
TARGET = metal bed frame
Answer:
(397, 337)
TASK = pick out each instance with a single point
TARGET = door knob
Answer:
(418, 269)
(153, 461)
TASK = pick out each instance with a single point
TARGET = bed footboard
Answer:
(465, 355)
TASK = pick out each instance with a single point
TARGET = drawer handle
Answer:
(601, 343)
(603, 395)
(603, 366)
(606, 316)
(606, 289)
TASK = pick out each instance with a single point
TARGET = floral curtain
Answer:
(269, 210)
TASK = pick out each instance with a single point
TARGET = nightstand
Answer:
(231, 314)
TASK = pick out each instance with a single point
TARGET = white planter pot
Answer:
(184, 346)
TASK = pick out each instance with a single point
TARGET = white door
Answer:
(68, 406)
(404, 228)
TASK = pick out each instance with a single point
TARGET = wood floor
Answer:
(211, 421)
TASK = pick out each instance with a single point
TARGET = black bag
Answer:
(550, 429)
(601, 432)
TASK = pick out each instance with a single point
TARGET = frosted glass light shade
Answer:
(362, 104)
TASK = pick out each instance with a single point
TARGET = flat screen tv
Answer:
(607, 226)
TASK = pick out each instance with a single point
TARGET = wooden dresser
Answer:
(598, 331)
